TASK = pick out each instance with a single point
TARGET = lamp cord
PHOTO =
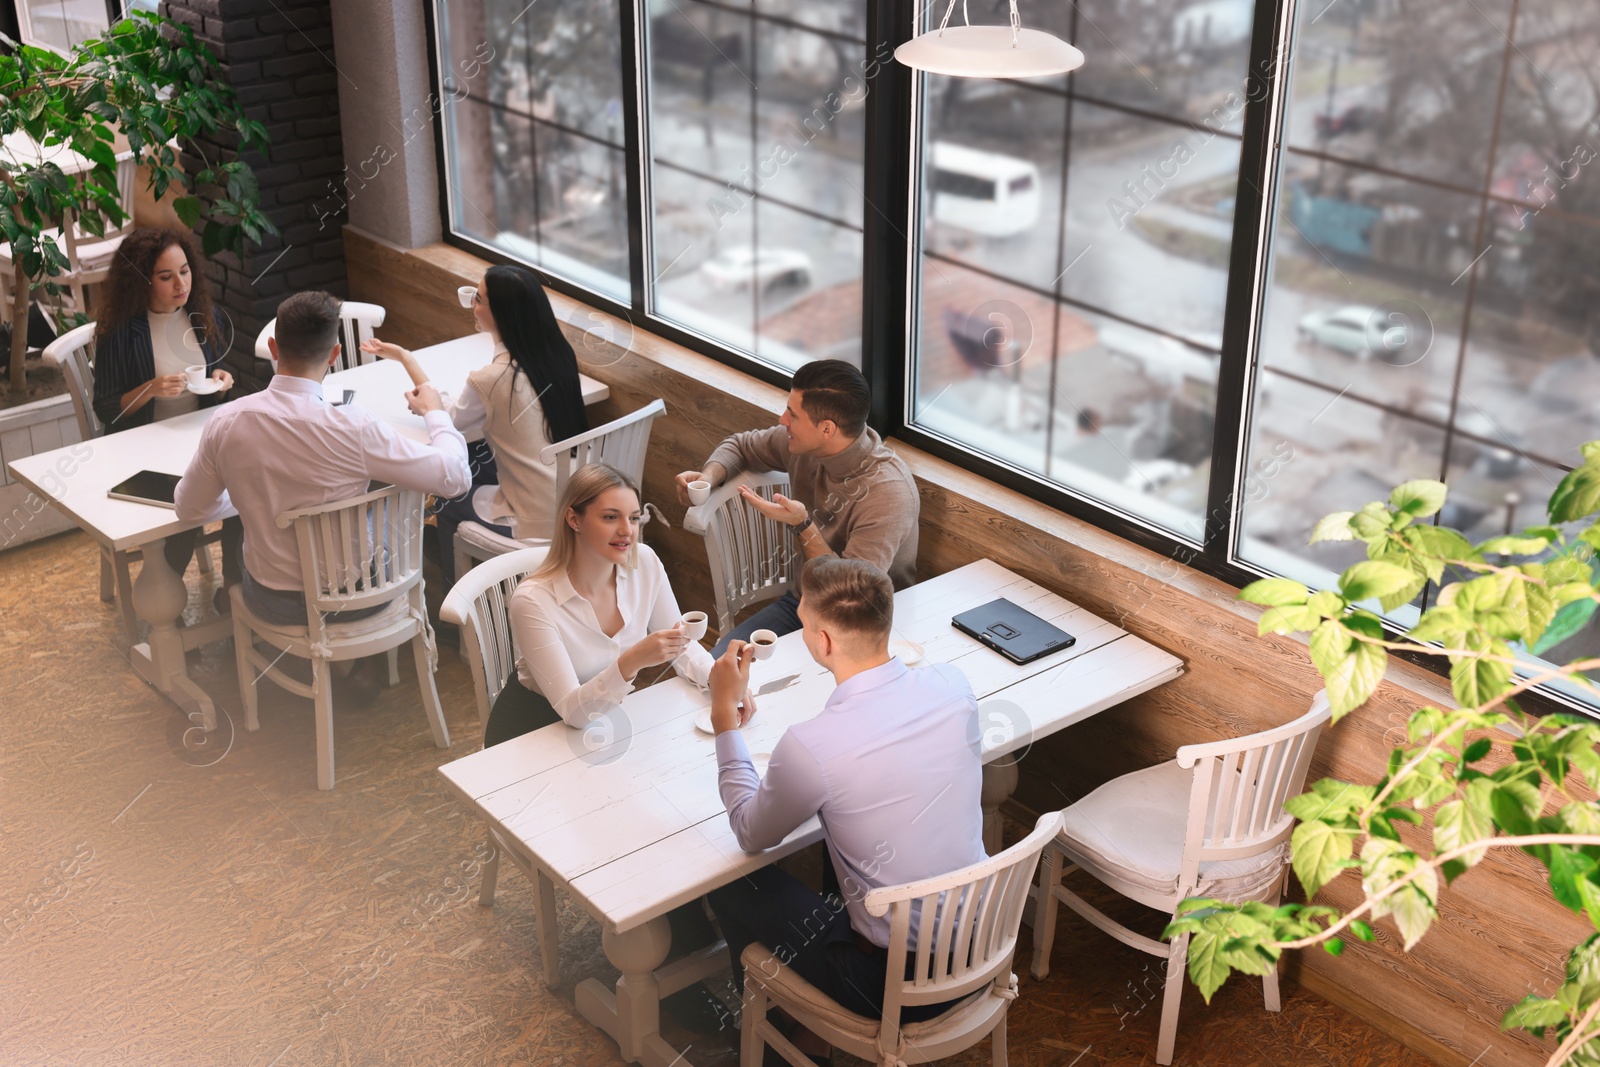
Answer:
(1016, 19)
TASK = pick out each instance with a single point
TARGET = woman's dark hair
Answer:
(528, 326)
(128, 283)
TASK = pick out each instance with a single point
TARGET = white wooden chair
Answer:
(88, 254)
(73, 352)
(623, 443)
(1209, 823)
(354, 554)
(356, 323)
(477, 604)
(966, 935)
(752, 558)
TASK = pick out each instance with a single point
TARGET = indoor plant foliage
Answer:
(150, 80)
(1490, 775)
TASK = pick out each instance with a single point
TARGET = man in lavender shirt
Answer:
(891, 768)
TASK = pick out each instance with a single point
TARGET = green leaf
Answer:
(1413, 911)
(1442, 624)
(1476, 750)
(1356, 678)
(1208, 966)
(1372, 521)
(1373, 579)
(1534, 1013)
(1461, 822)
(1329, 643)
(1334, 527)
(188, 210)
(1318, 853)
(1419, 499)
(1331, 801)
(1333, 946)
(1291, 618)
(1440, 544)
(1275, 592)
(1578, 495)
(1477, 681)
(1361, 930)
(1512, 545)
(1566, 624)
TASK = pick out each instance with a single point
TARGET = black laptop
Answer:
(1017, 634)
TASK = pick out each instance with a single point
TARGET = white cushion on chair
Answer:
(490, 544)
(1131, 829)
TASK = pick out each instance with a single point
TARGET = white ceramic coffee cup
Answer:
(694, 625)
(763, 641)
(195, 375)
(699, 492)
(466, 294)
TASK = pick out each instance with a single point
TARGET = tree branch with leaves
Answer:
(1490, 774)
(151, 81)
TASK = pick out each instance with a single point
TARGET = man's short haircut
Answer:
(831, 389)
(849, 595)
(307, 328)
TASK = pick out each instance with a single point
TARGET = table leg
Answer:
(632, 1014)
(159, 596)
(999, 782)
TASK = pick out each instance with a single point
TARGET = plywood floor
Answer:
(165, 901)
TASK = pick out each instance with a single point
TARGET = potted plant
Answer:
(1489, 774)
(150, 83)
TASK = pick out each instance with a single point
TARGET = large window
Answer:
(1254, 262)
(755, 130)
(1435, 272)
(531, 97)
(1074, 239)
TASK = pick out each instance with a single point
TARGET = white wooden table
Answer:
(381, 387)
(75, 479)
(626, 817)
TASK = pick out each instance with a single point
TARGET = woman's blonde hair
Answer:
(586, 483)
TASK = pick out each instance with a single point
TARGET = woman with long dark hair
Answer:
(525, 398)
(158, 319)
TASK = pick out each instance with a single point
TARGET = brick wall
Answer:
(278, 56)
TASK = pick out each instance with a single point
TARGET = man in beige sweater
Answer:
(853, 497)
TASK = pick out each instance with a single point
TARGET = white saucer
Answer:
(909, 652)
(702, 722)
(761, 759)
(205, 388)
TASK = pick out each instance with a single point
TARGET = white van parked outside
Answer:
(984, 192)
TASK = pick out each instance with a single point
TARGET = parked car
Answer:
(1352, 119)
(1350, 329)
(737, 268)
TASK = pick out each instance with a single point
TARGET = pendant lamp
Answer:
(988, 51)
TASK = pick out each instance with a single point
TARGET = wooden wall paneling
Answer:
(1500, 935)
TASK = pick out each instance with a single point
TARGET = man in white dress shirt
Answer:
(286, 448)
(890, 766)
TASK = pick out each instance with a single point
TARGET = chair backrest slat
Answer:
(621, 443)
(73, 352)
(360, 552)
(751, 557)
(966, 925)
(1240, 786)
(479, 604)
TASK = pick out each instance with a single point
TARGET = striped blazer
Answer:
(124, 359)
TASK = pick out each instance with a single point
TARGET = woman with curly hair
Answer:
(158, 319)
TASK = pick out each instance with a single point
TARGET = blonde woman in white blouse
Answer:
(594, 616)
